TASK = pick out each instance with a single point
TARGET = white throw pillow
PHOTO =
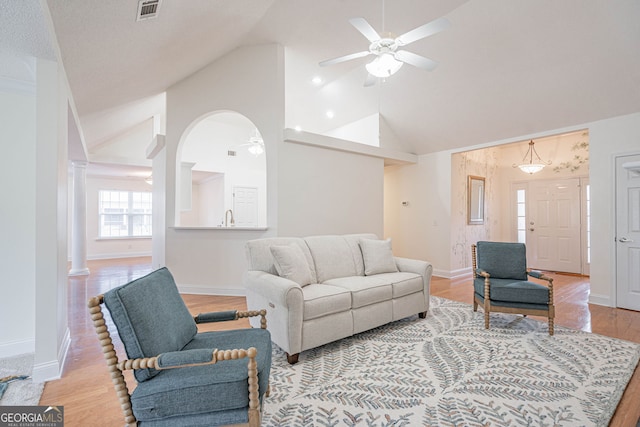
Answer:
(291, 264)
(377, 256)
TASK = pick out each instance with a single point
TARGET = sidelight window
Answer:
(521, 209)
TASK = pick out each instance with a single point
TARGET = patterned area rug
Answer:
(448, 370)
(15, 382)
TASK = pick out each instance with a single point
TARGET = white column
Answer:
(79, 221)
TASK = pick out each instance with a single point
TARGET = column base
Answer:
(79, 272)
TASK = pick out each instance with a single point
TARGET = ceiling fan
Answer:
(389, 56)
(255, 145)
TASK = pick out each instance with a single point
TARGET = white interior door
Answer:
(628, 232)
(553, 225)
(245, 206)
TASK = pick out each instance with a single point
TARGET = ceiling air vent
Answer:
(231, 153)
(147, 9)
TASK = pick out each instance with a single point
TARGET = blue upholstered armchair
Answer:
(185, 378)
(500, 282)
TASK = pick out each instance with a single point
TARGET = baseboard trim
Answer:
(454, 274)
(15, 348)
(52, 370)
(117, 255)
(597, 299)
(201, 290)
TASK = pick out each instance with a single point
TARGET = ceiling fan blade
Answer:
(344, 58)
(415, 60)
(365, 28)
(423, 31)
(370, 80)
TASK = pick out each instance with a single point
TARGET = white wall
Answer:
(17, 227)
(618, 135)
(211, 200)
(33, 245)
(364, 131)
(52, 108)
(128, 147)
(422, 229)
(323, 191)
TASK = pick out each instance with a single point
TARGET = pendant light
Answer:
(529, 164)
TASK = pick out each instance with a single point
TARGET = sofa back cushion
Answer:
(337, 256)
(260, 257)
(378, 257)
(291, 263)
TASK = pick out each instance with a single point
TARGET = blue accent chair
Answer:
(500, 282)
(184, 378)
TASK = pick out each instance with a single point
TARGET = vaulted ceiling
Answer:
(506, 68)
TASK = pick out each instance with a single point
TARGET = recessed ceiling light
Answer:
(330, 114)
(317, 80)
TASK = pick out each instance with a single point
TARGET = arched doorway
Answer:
(221, 175)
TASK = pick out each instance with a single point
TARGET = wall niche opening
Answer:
(221, 174)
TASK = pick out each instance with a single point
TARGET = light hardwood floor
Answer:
(89, 399)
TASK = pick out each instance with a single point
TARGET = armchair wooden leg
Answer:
(293, 358)
(551, 326)
(487, 304)
(475, 305)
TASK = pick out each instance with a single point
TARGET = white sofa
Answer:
(323, 288)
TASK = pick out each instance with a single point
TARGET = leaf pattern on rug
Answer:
(447, 370)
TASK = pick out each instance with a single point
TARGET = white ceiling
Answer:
(506, 68)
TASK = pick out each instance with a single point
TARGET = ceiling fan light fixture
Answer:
(256, 149)
(256, 144)
(384, 65)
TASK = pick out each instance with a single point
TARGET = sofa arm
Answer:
(284, 302)
(275, 288)
(417, 266)
(423, 268)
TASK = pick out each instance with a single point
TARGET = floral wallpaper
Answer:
(569, 154)
(483, 163)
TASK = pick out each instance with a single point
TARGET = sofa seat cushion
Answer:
(321, 300)
(404, 283)
(365, 290)
(518, 291)
(220, 387)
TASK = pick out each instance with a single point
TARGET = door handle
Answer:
(625, 240)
